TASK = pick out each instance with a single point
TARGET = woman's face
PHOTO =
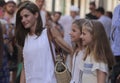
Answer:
(75, 33)
(28, 19)
(86, 37)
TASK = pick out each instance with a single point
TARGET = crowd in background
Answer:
(95, 37)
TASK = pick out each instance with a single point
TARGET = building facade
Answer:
(64, 5)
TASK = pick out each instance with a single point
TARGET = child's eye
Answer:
(83, 33)
(26, 15)
(73, 30)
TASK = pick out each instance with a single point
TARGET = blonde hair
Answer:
(100, 47)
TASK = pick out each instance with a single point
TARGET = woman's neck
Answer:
(32, 29)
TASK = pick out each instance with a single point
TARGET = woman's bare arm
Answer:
(60, 41)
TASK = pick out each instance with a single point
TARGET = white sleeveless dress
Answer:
(38, 62)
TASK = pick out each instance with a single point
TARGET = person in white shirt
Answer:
(10, 9)
(37, 56)
(98, 58)
(78, 50)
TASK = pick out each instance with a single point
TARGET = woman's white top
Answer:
(38, 62)
(90, 67)
(76, 72)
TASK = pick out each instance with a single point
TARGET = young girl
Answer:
(78, 50)
(98, 55)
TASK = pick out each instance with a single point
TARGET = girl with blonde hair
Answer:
(98, 57)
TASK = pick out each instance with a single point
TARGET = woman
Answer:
(38, 63)
(4, 71)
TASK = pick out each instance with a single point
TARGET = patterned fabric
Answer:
(115, 32)
(4, 71)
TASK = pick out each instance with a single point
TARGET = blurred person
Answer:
(56, 17)
(4, 70)
(30, 34)
(13, 51)
(109, 14)
(2, 4)
(115, 41)
(40, 4)
(10, 9)
(92, 8)
(10, 16)
(105, 20)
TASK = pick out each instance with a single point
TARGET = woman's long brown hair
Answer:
(20, 31)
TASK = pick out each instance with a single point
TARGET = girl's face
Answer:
(75, 33)
(86, 37)
(28, 19)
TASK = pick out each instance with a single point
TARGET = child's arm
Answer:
(101, 76)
